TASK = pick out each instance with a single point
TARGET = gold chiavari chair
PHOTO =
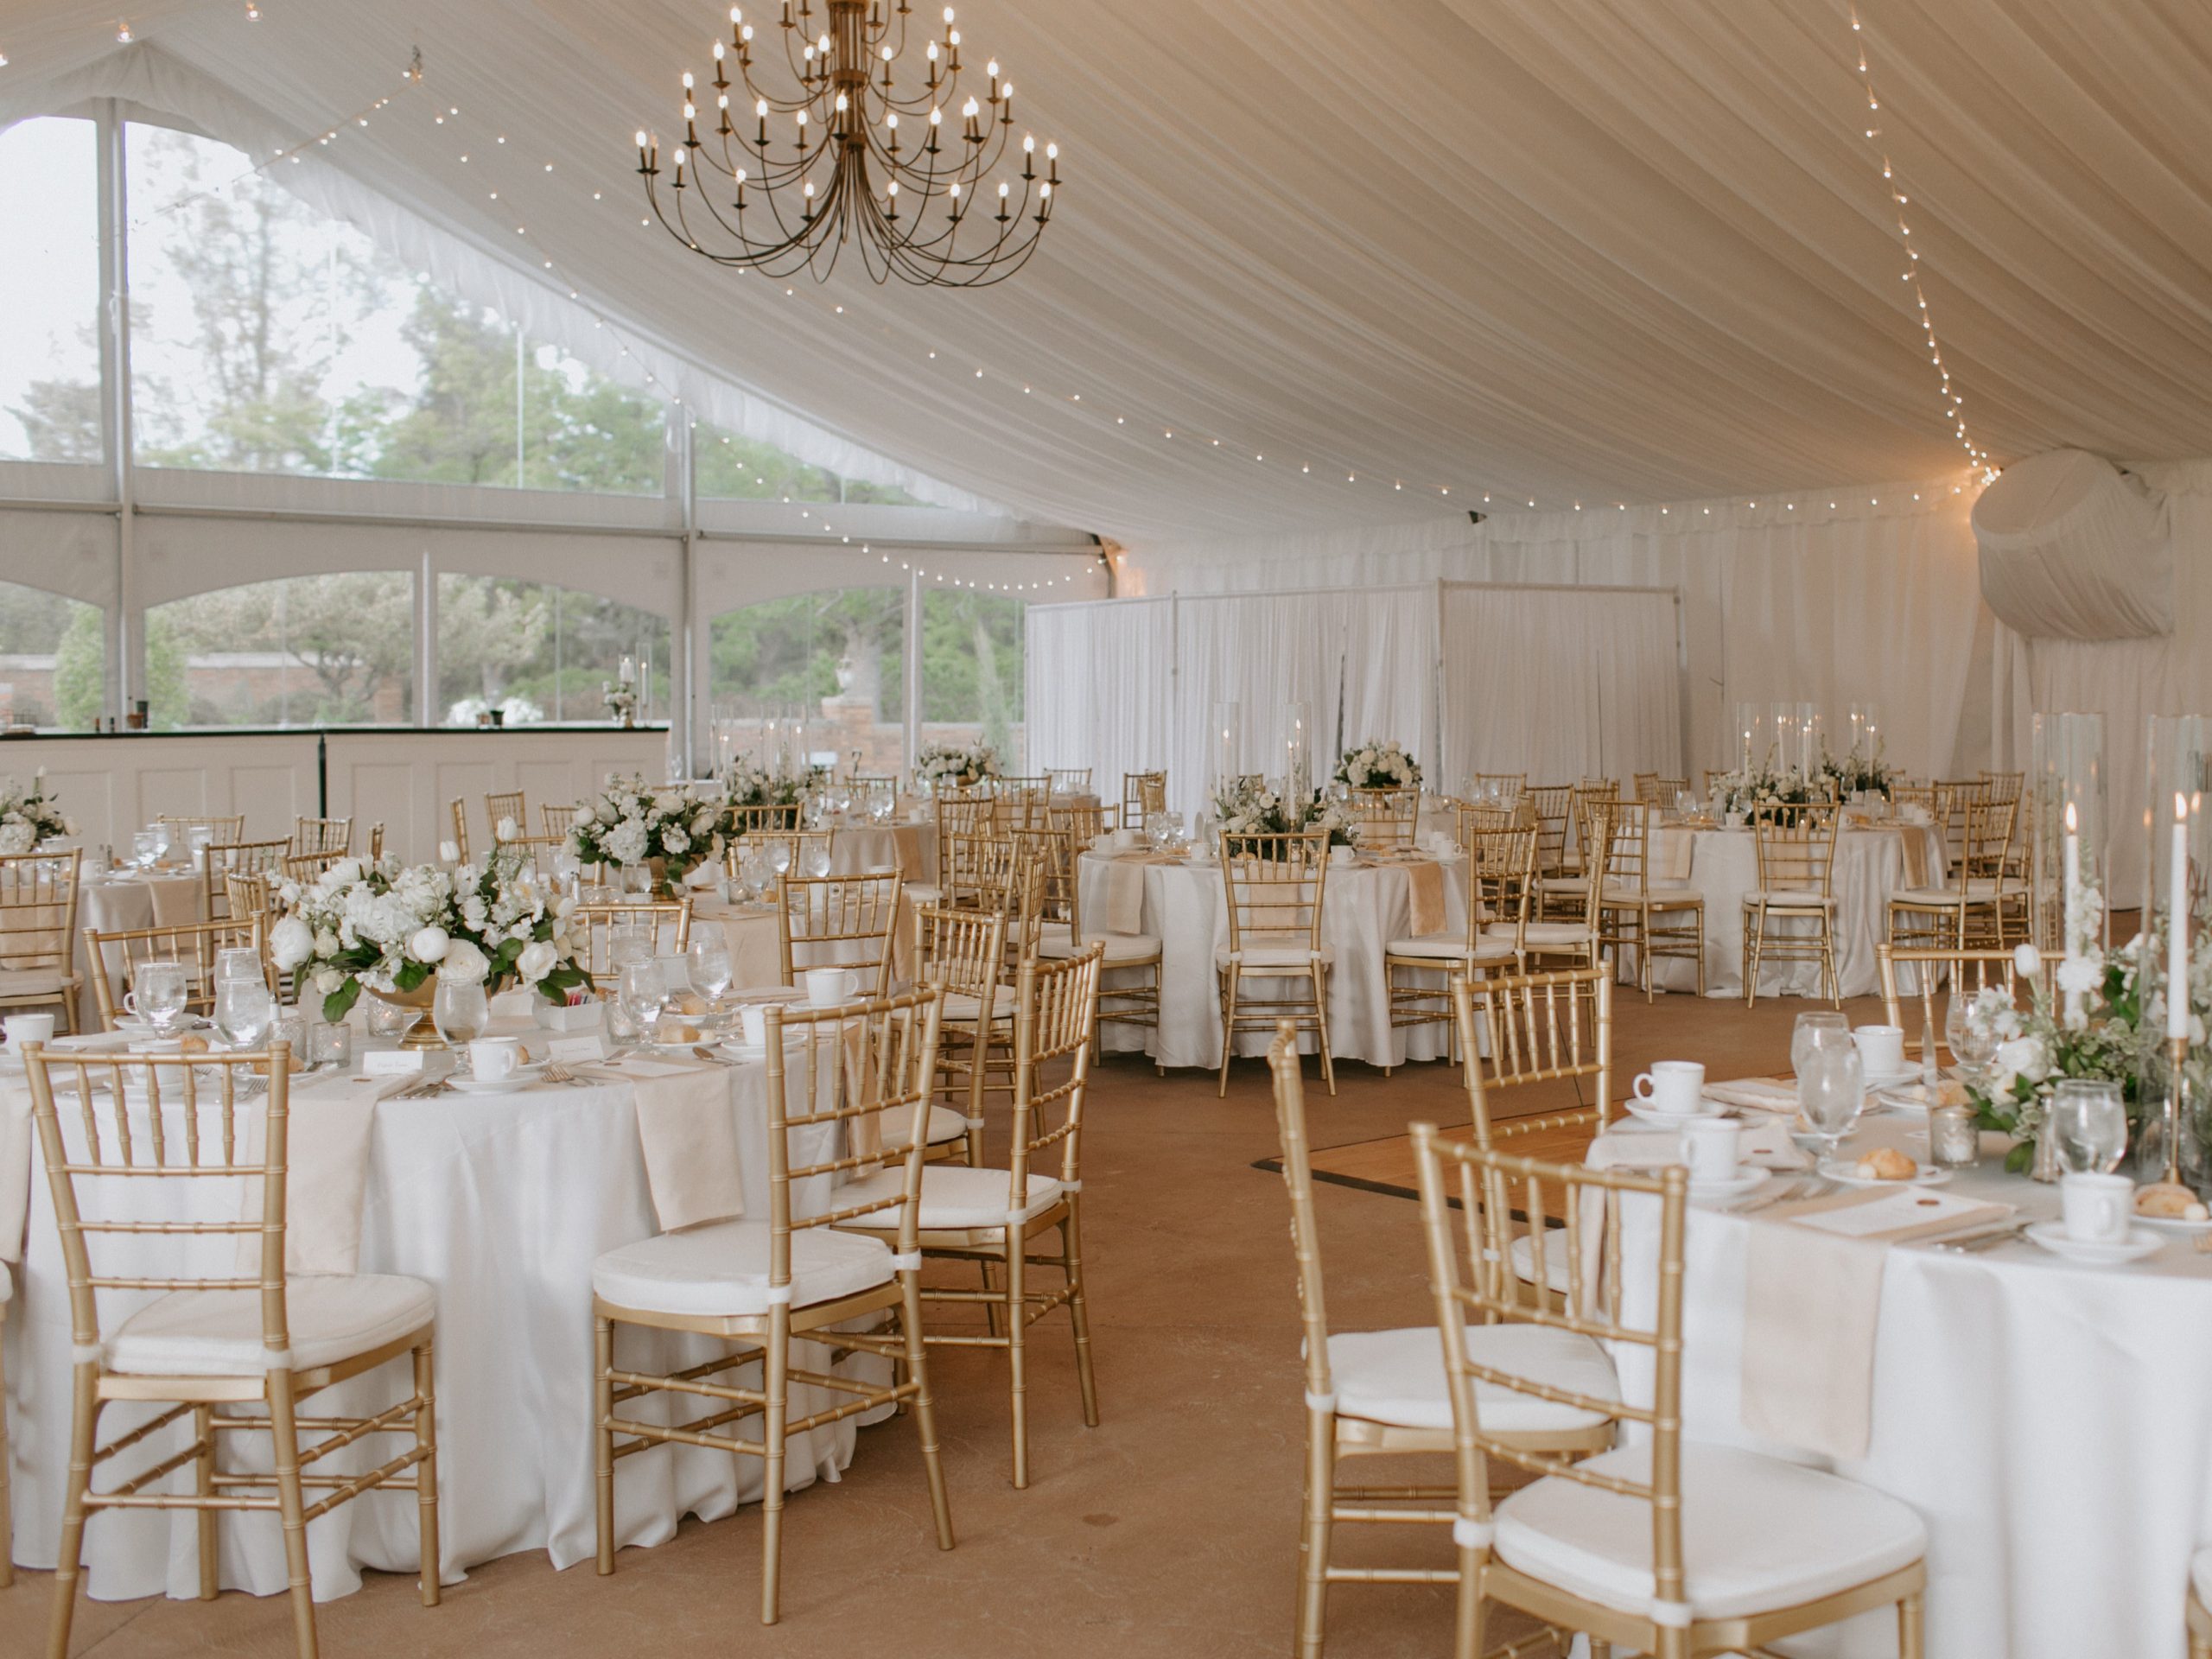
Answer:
(763, 1285)
(838, 921)
(1554, 803)
(1384, 820)
(1069, 780)
(1663, 791)
(1647, 786)
(1538, 1028)
(1929, 798)
(990, 1217)
(1083, 822)
(322, 836)
(556, 821)
(1990, 970)
(38, 931)
(124, 1138)
(1143, 793)
(1382, 1393)
(1663, 1547)
(2003, 785)
(1796, 866)
(220, 828)
(116, 956)
(1501, 863)
(1499, 787)
(459, 811)
(1134, 959)
(501, 805)
(1982, 904)
(375, 841)
(1274, 885)
(759, 820)
(254, 892)
(303, 868)
(1957, 794)
(242, 858)
(962, 954)
(1022, 803)
(1657, 915)
(1574, 935)
(594, 924)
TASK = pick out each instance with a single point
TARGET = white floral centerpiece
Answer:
(1747, 788)
(30, 817)
(388, 927)
(745, 785)
(1859, 773)
(1378, 765)
(1248, 808)
(671, 828)
(952, 764)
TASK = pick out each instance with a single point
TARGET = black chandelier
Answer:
(855, 158)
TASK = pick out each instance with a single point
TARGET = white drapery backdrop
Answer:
(1557, 683)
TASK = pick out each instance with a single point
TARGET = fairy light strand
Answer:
(1953, 403)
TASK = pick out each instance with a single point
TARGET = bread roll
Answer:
(2170, 1202)
(1887, 1164)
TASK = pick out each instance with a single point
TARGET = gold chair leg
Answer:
(84, 1425)
(1078, 1310)
(1314, 1540)
(917, 1362)
(1912, 1634)
(203, 1485)
(1017, 1350)
(603, 1439)
(776, 1369)
(284, 1430)
(1701, 952)
(426, 1472)
(1228, 1026)
(1321, 1025)
(1754, 929)
(990, 1289)
(1467, 1628)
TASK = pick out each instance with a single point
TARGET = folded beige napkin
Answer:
(911, 855)
(1755, 1094)
(1425, 896)
(326, 1170)
(689, 1138)
(1812, 1301)
(1912, 844)
(756, 949)
(1124, 906)
(1670, 853)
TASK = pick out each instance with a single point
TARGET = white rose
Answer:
(291, 943)
(346, 872)
(463, 962)
(538, 959)
(504, 830)
(326, 942)
(327, 980)
(584, 814)
(2025, 1057)
(449, 852)
(429, 945)
(2027, 961)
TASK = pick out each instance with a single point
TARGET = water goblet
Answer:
(157, 993)
(238, 961)
(163, 840)
(459, 1010)
(641, 992)
(143, 849)
(244, 1012)
(1802, 1038)
(710, 965)
(817, 859)
(1832, 1092)
(778, 855)
(1970, 1030)
(2090, 1125)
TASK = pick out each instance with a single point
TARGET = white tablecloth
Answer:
(502, 1203)
(910, 848)
(2050, 1422)
(1186, 908)
(117, 904)
(1724, 867)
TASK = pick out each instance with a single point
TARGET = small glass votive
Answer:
(330, 1045)
(290, 1029)
(1953, 1142)
(388, 1019)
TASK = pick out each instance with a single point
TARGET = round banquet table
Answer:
(501, 1202)
(2048, 1421)
(1186, 908)
(118, 903)
(1870, 864)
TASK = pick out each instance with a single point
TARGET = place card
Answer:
(590, 1045)
(1897, 1215)
(394, 1062)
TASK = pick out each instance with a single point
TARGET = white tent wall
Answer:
(1519, 679)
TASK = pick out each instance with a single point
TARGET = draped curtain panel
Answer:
(1101, 688)
(1262, 652)
(1391, 648)
(2073, 548)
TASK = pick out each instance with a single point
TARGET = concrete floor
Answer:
(1169, 1530)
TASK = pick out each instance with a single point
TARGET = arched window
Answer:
(827, 668)
(52, 660)
(303, 650)
(537, 652)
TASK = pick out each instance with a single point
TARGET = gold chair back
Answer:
(116, 956)
(459, 812)
(1537, 1028)
(1384, 820)
(1053, 852)
(1055, 1011)
(499, 805)
(1022, 803)
(375, 841)
(222, 827)
(557, 820)
(1796, 849)
(1275, 885)
(1502, 869)
(593, 926)
(302, 868)
(2003, 785)
(794, 846)
(1985, 850)
(322, 836)
(1554, 805)
(1969, 971)
(241, 858)
(838, 921)
(1497, 787)
(1142, 794)
(1069, 780)
(253, 894)
(38, 928)
(1081, 822)
(761, 820)
(961, 950)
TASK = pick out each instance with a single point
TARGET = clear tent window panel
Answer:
(269, 337)
(820, 675)
(537, 652)
(334, 649)
(729, 467)
(50, 292)
(52, 660)
(973, 672)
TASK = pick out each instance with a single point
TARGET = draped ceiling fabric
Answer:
(1556, 251)
(2073, 549)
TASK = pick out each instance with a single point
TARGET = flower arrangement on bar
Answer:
(1859, 773)
(1378, 765)
(945, 765)
(1247, 807)
(671, 829)
(745, 784)
(388, 927)
(30, 817)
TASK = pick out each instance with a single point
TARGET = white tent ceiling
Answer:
(1554, 250)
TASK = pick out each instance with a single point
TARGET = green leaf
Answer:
(2018, 1160)
(340, 1002)
(411, 975)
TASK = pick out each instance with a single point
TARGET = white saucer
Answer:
(1735, 1186)
(517, 1080)
(743, 1051)
(1668, 1120)
(2051, 1235)
(135, 1022)
(1879, 1080)
(1845, 1170)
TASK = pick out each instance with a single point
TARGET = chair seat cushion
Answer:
(1931, 898)
(1397, 1377)
(1758, 1534)
(332, 1316)
(36, 981)
(1122, 950)
(953, 1198)
(1790, 898)
(722, 1270)
(1545, 935)
(1669, 895)
(1523, 1256)
(922, 892)
(945, 1126)
(1264, 951)
(1989, 887)
(961, 1006)
(1453, 947)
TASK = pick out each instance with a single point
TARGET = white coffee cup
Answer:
(2098, 1208)
(828, 987)
(1676, 1086)
(1343, 857)
(1710, 1146)
(752, 1018)
(23, 1028)
(1881, 1049)
(1126, 841)
(492, 1058)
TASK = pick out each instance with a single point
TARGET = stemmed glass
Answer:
(1831, 1090)
(2090, 1124)
(157, 994)
(1803, 1036)
(1971, 1032)
(144, 849)
(641, 993)
(779, 858)
(459, 1010)
(710, 965)
(243, 1011)
(163, 840)
(817, 859)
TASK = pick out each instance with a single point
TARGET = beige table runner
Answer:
(1125, 895)
(689, 1136)
(1425, 897)
(327, 1132)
